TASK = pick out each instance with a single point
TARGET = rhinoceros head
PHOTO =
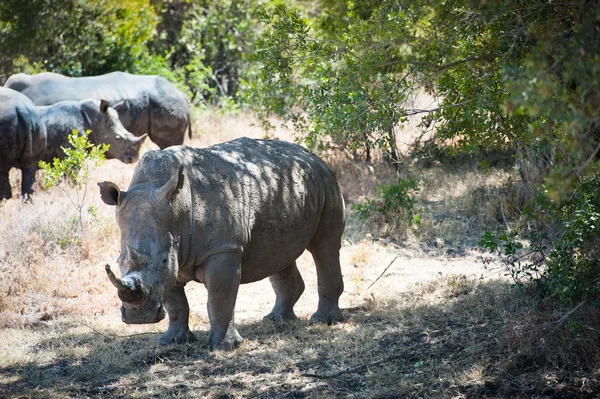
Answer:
(149, 256)
(106, 125)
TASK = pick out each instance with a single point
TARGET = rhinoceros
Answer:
(225, 215)
(152, 104)
(22, 140)
(96, 115)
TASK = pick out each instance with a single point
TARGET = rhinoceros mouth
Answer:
(131, 315)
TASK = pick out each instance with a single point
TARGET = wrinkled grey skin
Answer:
(153, 105)
(22, 140)
(225, 215)
(96, 115)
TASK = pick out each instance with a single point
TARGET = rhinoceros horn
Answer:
(130, 290)
(115, 280)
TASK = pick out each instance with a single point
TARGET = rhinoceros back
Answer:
(267, 197)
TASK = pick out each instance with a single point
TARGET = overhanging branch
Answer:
(436, 67)
(416, 111)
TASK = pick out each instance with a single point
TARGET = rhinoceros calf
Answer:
(153, 105)
(232, 213)
(22, 140)
(96, 115)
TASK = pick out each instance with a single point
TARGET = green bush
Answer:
(564, 243)
(395, 201)
(75, 37)
(71, 173)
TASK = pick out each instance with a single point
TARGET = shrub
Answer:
(395, 201)
(71, 173)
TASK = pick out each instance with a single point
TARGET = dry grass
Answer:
(420, 322)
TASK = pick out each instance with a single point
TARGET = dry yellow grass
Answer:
(419, 320)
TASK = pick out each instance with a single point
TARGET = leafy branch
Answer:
(71, 173)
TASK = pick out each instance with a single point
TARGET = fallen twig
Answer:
(115, 335)
(564, 317)
(382, 273)
(357, 368)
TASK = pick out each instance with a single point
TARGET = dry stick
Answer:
(358, 368)
(564, 317)
(382, 273)
(115, 335)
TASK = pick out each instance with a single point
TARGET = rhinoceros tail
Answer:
(190, 125)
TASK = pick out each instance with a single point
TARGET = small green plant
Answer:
(509, 247)
(71, 173)
(564, 237)
(394, 200)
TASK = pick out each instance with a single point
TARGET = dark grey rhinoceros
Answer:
(153, 105)
(95, 115)
(233, 213)
(22, 140)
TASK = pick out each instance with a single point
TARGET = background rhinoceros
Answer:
(22, 140)
(153, 105)
(232, 213)
(96, 115)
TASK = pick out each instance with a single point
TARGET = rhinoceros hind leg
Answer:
(330, 285)
(288, 286)
(179, 311)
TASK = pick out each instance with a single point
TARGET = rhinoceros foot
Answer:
(176, 337)
(280, 316)
(329, 317)
(232, 340)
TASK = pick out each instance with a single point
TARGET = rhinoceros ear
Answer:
(110, 193)
(167, 192)
(104, 105)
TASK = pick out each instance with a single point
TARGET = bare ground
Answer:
(424, 318)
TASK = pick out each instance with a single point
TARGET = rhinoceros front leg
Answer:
(222, 273)
(288, 286)
(5, 189)
(178, 310)
(27, 183)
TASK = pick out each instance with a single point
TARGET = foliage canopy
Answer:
(519, 75)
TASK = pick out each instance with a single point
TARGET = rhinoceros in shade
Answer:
(22, 140)
(226, 215)
(95, 115)
(152, 104)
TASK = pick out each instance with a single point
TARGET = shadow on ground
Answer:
(454, 338)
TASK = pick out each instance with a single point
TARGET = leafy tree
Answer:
(205, 40)
(521, 75)
(74, 37)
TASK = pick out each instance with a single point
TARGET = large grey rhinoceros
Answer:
(95, 115)
(153, 105)
(233, 213)
(22, 140)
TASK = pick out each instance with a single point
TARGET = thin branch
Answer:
(582, 167)
(439, 68)
(422, 111)
(504, 216)
(115, 335)
(358, 368)
(564, 317)
(383, 272)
